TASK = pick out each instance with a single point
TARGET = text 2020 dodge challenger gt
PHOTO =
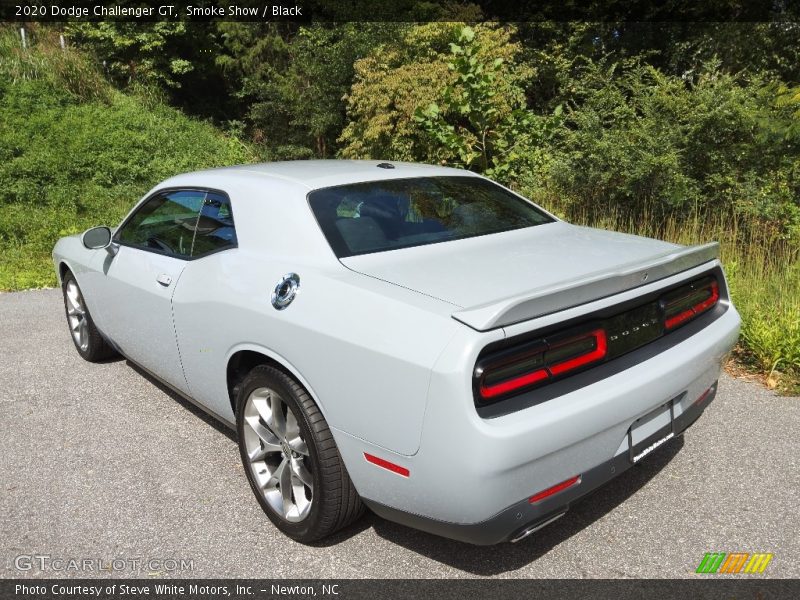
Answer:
(411, 338)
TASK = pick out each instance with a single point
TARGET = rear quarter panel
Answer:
(363, 354)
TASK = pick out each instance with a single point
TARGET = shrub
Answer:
(636, 141)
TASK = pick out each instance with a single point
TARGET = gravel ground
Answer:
(98, 461)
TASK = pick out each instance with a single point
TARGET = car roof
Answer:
(316, 174)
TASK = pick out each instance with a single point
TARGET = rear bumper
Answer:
(523, 518)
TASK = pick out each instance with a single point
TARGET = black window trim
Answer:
(168, 190)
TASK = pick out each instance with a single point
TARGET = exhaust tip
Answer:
(535, 527)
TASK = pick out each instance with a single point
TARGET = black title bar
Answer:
(785, 11)
(702, 588)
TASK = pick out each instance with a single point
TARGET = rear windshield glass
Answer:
(375, 216)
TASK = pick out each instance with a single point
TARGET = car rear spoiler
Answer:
(540, 302)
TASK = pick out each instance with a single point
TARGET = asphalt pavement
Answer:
(99, 462)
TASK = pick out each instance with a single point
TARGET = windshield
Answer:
(375, 216)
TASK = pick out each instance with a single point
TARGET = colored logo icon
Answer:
(734, 562)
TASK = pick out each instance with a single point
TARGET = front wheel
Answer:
(290, 458)
(88, 341)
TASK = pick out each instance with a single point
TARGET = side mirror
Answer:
(96, 238)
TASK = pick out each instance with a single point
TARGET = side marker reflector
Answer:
(389, 466)
(559, 487)
(705, 394)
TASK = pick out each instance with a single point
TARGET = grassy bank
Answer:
(75, 152)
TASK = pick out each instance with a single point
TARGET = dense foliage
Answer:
(639, 140)
(665, 118)
(655, 128)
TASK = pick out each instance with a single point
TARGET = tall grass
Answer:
(763, 273)
(45, 60)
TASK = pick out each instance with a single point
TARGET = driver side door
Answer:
(154, 244)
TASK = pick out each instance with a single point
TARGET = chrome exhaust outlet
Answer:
(534, 528)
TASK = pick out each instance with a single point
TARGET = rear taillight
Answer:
(583, 350)
(683, 305)
(529, 365)
(540, 361)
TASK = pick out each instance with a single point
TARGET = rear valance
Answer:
(570, 293)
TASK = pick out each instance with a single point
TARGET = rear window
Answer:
(376, 216)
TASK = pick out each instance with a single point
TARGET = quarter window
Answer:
(184, 223)
(215, 230)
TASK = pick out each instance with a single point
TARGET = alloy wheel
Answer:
(76, 314)
(278, 455)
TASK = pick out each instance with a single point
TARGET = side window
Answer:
(165, 223)
(184, 223)
(215, 230)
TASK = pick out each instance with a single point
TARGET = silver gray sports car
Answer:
(414, 339)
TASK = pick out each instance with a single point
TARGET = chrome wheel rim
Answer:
(76, 316)
(278, 456)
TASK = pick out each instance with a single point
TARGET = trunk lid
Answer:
(499, 279)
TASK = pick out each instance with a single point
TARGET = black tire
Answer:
(97, 349)
(335, 503)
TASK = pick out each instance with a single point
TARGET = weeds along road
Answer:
(100, 462)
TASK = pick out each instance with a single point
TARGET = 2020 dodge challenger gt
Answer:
(414, 339)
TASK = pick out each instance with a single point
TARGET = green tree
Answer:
(397, 79)
(137, 52)
(788, 97)
(172, 60)
(637, 141)
(290, 80)
(467, 127)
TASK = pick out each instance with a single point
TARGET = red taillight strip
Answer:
(712, 300)
(683, 316)
(524, 380)
(490, 391)
(559, 487)
(389, 466)
(584, 359)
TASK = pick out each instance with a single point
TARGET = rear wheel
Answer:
(87, 339)
(290, 458)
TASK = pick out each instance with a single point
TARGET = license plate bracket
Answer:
(639, 450)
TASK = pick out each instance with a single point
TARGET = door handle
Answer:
(164, 279)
